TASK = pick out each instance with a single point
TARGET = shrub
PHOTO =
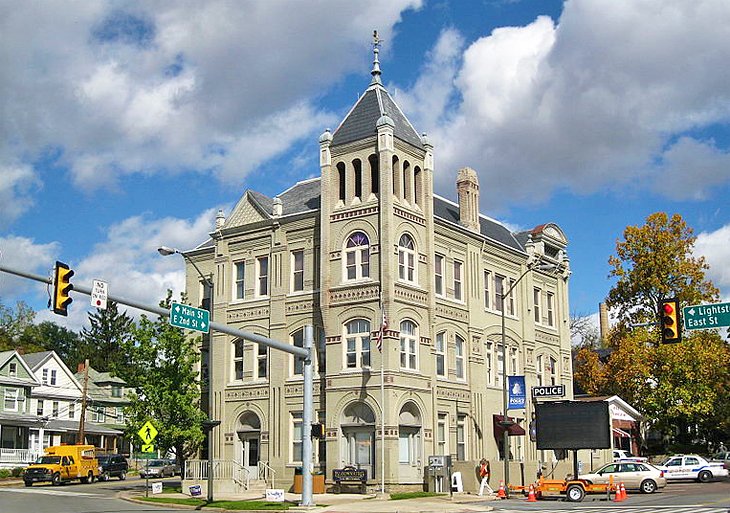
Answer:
(17, 472)
(4, 473)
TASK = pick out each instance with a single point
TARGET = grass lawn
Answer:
(234, 505)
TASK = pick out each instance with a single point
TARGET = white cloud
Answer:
(715, 247)
(595, 101)
(153, 87)
(16, 184)
(24, 254)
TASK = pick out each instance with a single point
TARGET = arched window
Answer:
(374, 174)
(341, 181)
(418, 186)
(397, 178)
(440, 351)
(357, 171)
(357, 344)
(357, 257)
(408, 345)
(406, 259)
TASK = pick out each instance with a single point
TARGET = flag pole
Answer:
(382, 401)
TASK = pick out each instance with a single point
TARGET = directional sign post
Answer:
(189, 317)
(699, 317)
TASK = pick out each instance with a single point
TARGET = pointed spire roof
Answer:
(361, 122)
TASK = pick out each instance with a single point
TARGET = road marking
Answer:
(629, 509)
(50, 492)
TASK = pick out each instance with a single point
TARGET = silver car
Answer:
(634, 475)
(157, 468)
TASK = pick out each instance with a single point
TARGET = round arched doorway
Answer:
(410, 444)
(249, 436)
(358, 437)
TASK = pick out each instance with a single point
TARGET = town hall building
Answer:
(368, 241)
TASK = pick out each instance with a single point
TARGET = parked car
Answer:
(112, 465)
(723, 457)
(175, 466)
(692, 466)
(621, 455)
(633, 474)
(62, 463)
(157, 468)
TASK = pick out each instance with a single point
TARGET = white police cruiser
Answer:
(692, 466)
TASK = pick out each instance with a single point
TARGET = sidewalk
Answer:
(357, 503)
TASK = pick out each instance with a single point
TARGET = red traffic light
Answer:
(668, 308)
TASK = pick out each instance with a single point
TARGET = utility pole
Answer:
(81, 436)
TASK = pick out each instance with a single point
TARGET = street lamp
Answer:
(506, 423)
(209, 424)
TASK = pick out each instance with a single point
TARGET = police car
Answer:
(692, 466)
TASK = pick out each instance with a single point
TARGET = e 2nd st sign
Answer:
(189, 317)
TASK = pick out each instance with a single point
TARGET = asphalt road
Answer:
(677, 497)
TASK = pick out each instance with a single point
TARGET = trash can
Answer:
(317, 481)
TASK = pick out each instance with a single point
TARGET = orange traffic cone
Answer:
(617, 497)
(500, 492)
(531, 495)
(624, 495)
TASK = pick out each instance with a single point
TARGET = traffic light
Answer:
(669, 321)
(61, 288)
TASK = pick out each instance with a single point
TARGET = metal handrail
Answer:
(265, 471)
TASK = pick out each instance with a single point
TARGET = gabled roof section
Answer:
(360, 122)
(36, 359)
(488, 228)
(8, 356)
(249, 209)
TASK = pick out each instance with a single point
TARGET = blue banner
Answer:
(517, 393)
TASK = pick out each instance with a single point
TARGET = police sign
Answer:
(549, 391)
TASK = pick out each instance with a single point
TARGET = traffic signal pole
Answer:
(305, 353)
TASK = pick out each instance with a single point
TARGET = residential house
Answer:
(16, 415)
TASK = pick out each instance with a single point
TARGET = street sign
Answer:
(99, 292)
(189, 317)
(549, 391)
(147, 448)
(699, 317)
(147, 433)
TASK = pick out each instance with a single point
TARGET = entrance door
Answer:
(360, 449)
(251, 455)
(409, 454)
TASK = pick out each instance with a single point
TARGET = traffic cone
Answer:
(500, 492)
(617, 497)
(531, 495)
(624, 495)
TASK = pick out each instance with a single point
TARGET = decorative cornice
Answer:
(247, 314)
(453, 394)
(354, 293)
(418, 297)
(409, 216)
(547, 338)
(451, 313)
(260, 392)
(351, 214)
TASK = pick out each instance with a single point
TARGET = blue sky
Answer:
(127, 125)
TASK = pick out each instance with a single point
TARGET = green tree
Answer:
(49, 336)
(13, 322)
(680, 388)
(107, 333)
(162, 361)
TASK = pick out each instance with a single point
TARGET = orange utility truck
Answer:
(63, 463)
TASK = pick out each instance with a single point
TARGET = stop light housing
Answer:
(669, 321)
(61, 288)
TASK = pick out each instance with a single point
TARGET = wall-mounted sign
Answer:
(549, 391)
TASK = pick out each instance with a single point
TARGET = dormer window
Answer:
(116, 391)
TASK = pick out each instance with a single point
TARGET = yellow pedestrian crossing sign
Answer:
(147, 448)
(147, 433)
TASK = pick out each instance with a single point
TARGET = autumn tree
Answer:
(162, 363)
(656, 261)
(680, 388)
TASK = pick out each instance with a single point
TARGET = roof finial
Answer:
(376, 63)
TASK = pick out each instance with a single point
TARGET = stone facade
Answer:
(366, 237)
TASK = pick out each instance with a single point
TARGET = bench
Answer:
(350, 476)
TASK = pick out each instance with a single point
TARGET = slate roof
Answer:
(360, 122)
(301, 197)
(489, 228)
(34, 359)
